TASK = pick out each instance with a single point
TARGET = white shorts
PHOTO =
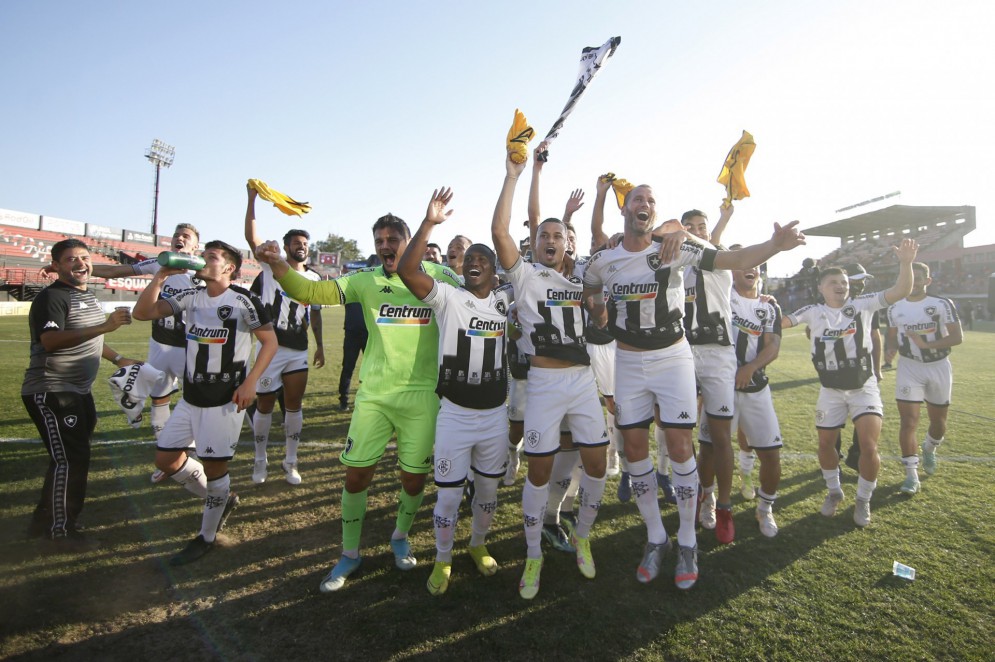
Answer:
(285, 362)
(516, 399)
(932, 382)
(469, 439)
(603, 364)
(170, 360)
(835, 405)
(756, 417)
(558, 393)
(715, 370)
(663, 377)
(215, 430)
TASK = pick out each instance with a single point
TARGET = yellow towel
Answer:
(733, 174)
(619, 185)
(518, 138)
(281, 201)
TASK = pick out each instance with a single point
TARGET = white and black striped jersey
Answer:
(168, 330)
(751, 319)
(645, 296)
(219, 341)
(550, 311)
(518, 361)
(927, 318)
(290, 317)
(841, 339)
(706, 306)
(472, 334)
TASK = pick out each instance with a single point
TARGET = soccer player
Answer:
(67, 342)
(472, 427)
(841, 355)
(167, 346)
(354, 337)
(922, 328)
(398, 380)
(756, 337)
(456, 250)
(433, 253)
(706, 325)
(289, 368)
(653, 362)
(217, 385)
(560, 384)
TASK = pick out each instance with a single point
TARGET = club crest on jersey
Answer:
(224, 312)
(761, 313)
(70, 420)
(930, 310)
(405, 314)
(574, 279)
(501, 307)
(849, 311)
(654, 261)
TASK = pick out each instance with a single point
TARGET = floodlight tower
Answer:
(160, 155)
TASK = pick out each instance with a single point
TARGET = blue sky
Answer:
(364, 108)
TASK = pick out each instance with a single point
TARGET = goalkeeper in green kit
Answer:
(398, 380)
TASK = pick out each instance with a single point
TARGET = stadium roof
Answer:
(897, 218)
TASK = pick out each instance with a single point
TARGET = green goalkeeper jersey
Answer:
(402, 353)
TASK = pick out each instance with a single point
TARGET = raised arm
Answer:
(149, 306)
(504, 243)
(250, 219)
(598, 236)
(420, 283)
(784, 239)
(534, 212)
(725, 213)
(574, 203)
(906, 252)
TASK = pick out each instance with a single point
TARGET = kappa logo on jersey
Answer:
(70, 420)
(723, 409)
(206, 335)
(501, 307)
(50, 325)
(849, 311)
(224, 312)
(634, 291)
(544, 274)
(484, 328)
(386, 290)
(612, 269)
(654, 261)
(391, 314)
(684, 416)
(443, 466)
(562, 297)
(532, 437)
(470, 305)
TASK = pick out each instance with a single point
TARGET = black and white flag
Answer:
(591, 61)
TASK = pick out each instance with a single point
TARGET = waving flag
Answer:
(591, 61)
(281, 201)
(733, 174)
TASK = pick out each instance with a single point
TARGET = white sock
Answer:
(484, 507)
(832, 478)
(533, 506)
(575, 473)
(911, 464)
(766, 503)
(293, 423)
(865, 488)
(930, 444)
(619, 442)
(746, 460)
(559, 482)
(591, 490)
(214, 506)
(662, 452)
(158, 416)
(445, 515)
(644, 489)
(191, 476)
(260, 429)
(686, 489)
